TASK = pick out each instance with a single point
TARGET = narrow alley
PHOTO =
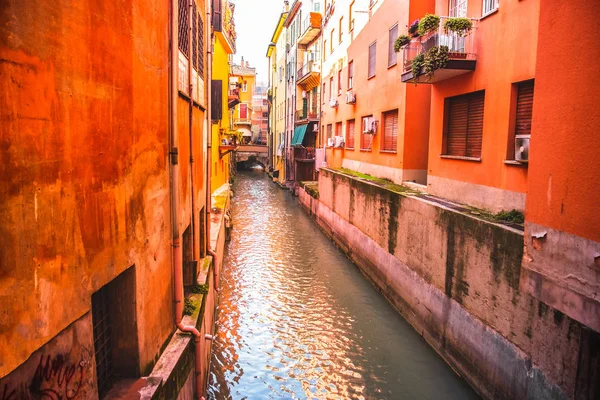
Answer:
(297, 319)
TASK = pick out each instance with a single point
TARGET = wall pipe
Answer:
(191, 122)
(177, 266)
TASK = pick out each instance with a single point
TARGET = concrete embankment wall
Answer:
(455, 279)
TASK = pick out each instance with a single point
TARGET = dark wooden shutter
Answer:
(392, 55)
(217, 18)
(217, 99)
(390, 130)
(200, 45)
(372, 59)
(194, 36)
(524, 108)
(464, 129)
(338, 129)
(350, 134)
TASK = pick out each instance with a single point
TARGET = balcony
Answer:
(305, 116)
(461, 54)
(242, 121)
(233, 98)
(310, 28)
(309, 75)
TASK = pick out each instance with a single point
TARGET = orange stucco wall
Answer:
(563, 174)
(384, 92)
(506, 44)
(83, 172)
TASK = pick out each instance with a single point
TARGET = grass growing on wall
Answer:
(382, 182)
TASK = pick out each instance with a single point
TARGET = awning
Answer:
(299, 133)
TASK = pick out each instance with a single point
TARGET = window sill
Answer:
(350, 148)
(388, 151)
(476, 159)
(494, 11)
(366, 150)
(516, 163)
(392, 65)
(371, 77)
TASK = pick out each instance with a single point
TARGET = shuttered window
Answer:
(390, 131)
(194, 36)
(329, 131)
(464, 125)
(243, 111)
(350, 134)
(216, 101)
(524, 108)
(372, 57)
(366, 139)
(392, 55)
(350, 74)
(338, 129)
(217, 19)
(184, 27)
(200, 44)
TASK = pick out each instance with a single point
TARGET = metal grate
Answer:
(184, 27)
(200, 45)
(194, 36)
(102, 340)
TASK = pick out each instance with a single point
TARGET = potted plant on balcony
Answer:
(413, 29)
(429, 23)
(461, 27)
(400, 42)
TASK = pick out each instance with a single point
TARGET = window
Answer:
(339, 81)
(324, 49)
(341, 29)
(366, 139)
(332, 35)
(243, 111)
(351, 17)
(350, 75)
(244, 87)
(464, 125)
(522, 110)
(392, 55)
(372, 57)
(331, 87)
(350, 134)
(390, 131)
(457, 8)
(324, 92)
(489, 6)
(329, 131)
(338, 129)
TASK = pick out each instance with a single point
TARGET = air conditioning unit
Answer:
(369, 126)
(522, 148)
(333, 103)
(350, 98)
(339, 141)
(330, 142)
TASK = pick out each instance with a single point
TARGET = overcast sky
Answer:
(255, 22)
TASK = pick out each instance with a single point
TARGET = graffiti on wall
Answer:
(55, 378)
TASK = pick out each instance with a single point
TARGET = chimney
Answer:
(242, 63)
(287, 5)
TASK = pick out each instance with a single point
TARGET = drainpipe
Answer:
(174, 197)
(191, 122)
(209, 57)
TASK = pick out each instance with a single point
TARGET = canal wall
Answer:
(455, 279)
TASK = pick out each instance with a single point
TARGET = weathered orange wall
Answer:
(83, 171)
(564, 169)
(384, 92)
(506, 43)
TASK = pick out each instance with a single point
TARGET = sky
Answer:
(255, 21)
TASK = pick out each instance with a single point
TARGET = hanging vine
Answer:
(435, 58)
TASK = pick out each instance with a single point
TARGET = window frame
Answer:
(512, 128)
(351, 17)
(350, 74)
(447, 123)
(374, 46)
(341, 29)
(339, 82)
(363, 134)
(382, 147)
(349, 144)
(391, 51)
(495, 5)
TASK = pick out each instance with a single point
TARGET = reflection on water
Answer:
(298, 320)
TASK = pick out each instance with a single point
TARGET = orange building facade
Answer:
(103, 176)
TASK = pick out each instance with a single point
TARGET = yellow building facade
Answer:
(277, 82)
(223, 134)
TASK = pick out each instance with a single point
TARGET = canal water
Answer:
(298, 320)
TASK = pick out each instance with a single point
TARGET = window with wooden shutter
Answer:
(217, 19)
(217, 100)
(184, 27)
(200, 45)
(464, 125)
(243, 111)
(350, 75)
(194, 36)
(524, 108)
(390, 131)
(338, 129)
(372, 58)
(392, 55)
(329, 131)
(366, 139)
(350, 134)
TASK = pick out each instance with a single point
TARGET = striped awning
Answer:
(299, 133)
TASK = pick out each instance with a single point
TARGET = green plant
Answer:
(417, 63)
(400, 42)
(510, 216)
(460, 26)
(188, 307)
(428, 23)
(435, 58)
(200, 289)
(413, 29)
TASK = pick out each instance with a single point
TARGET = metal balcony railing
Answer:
(305, 69)
(311, 114)
(459, 47)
